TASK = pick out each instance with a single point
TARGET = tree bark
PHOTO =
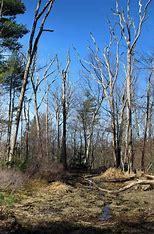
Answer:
(9, 119)
(47, 124)
(63, 149)
(38, 127)
(20, 105)
(129, 139)
(146, 125)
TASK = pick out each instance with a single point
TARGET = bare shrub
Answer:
(11, 179)
(53, 172)
(49, 171)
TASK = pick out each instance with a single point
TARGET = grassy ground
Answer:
(73, 206)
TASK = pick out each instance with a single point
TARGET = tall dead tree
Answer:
(105, 71)
(41, 12)
(36, 85)
(64, 74)
(47, 121)
(112, 71)
(131, 35)
(36, 108)
(57, 109)
(27, 120)
(91, 131)
(147, 121)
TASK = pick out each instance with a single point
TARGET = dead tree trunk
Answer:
(63, 149)
(64, 74)
(91, 131)
(146, 122)
(130, 34)
(27, 119)
(57, 109)
(38, 127)
(129, 141)
(47, 122)
(112, 76)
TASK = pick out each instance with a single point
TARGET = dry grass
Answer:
(39, 203)
(112, 174)
(56, 202)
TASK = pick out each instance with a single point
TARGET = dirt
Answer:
(74, 206)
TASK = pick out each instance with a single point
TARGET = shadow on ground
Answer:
(71, 228)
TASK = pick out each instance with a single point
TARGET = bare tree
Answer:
(36, 33)
(36, 85)
(146, 123)
(57, 109)
(64, 74)
(105, 71)
(131, 35)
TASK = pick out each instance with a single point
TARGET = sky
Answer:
(73, 20)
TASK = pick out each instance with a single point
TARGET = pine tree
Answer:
(12, 65)
(11, 73)
(10, 30)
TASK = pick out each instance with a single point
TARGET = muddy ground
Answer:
(75, 206)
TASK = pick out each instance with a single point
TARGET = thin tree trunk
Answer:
(58, 128)
(9, 119)
(114, 133)
(39, 138)
(80, 153)
(129, 142)
(47, 125)
(26, 131)
(74, 144)
(63, 150)
(146, 125)
(20, 105)
(85, 144)
(21, 134)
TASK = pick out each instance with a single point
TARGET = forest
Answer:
(77, 121)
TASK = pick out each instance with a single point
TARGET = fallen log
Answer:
(128, 186)
(119, 180)
(114, 180)
(96, 186)
(150, 177)
(132, 184)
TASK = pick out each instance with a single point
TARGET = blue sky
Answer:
(73, 20)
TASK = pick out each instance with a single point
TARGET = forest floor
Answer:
(75, 206)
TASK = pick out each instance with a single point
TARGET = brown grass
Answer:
(112, 174)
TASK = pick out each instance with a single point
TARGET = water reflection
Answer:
(106, 213)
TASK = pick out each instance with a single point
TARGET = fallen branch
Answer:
(150, 177)
(119, 179)
(130, 185)
(96, 186)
